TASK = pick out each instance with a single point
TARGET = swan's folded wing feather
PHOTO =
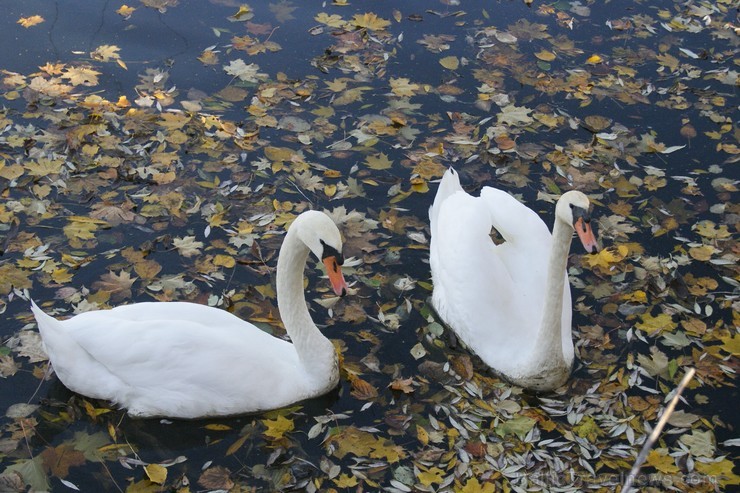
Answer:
(470, 278)
(173, 310)
(181, 353)
(516, 222)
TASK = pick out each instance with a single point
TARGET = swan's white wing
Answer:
(471, 283)
(527, 246)
(187, 355)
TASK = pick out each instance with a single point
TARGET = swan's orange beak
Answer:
(338, 284)
(586, 234)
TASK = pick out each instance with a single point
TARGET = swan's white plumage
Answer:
(186, 360)
(494, 296)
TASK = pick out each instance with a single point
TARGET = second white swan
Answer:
(510, 303)
(184, 360)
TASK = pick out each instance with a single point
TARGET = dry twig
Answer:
(656, 432)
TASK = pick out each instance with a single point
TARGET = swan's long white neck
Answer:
(309, 343)
(549, 345)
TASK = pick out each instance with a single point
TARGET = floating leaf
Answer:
(472, 485)
(428, 477)
(216, 478)
(58, 460)
(125, 11)
(661, 462)
(370, 21)
(278, 427)
(450, 62)
(546, 56)
(30, 21)
(519, 426)
(156, 473)
(379, 161)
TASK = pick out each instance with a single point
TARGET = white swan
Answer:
(510, 303)
(185, 360)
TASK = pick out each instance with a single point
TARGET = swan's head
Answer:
(572, 208)
(319, 233)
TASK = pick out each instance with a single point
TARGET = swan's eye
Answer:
(579, 213)
(330, 251)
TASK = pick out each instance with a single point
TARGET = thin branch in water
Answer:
(656, 432)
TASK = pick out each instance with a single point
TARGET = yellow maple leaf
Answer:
(607, 256)
(10, 172)
(370, 21)
(709, 229)
(345, 481)
(52, 68)
(360, 443)
(44, 167)
(731, 344)
(224, 261)
(105, 53)
(403, 87)
(721, 470)
(80, 230)
(81, 76)
(379, 161)
(652, 324)
(431, 476)
(276, 428)
(638, 296)
(208, 57)
(336, 85)
(473, 486)
(30, 21)
(594, 59)
(661, 462)
(62, 275)
(330, 20)
(388, 451)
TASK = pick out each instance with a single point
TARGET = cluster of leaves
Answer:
(153, 194)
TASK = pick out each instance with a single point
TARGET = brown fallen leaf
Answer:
(362, 389)
(405, 385)
(118, 285)
(216, 478)
(58, 460)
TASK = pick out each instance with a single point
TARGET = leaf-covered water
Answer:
(158, 151)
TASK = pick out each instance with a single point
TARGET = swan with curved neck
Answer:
(185, 360)
(510, 303)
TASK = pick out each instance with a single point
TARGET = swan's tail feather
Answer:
(53, 334)
(449, 184)
(44, 321)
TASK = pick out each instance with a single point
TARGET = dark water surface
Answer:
(101, 176)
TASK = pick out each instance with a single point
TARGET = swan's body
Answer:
(510, 303)
(185, 360)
